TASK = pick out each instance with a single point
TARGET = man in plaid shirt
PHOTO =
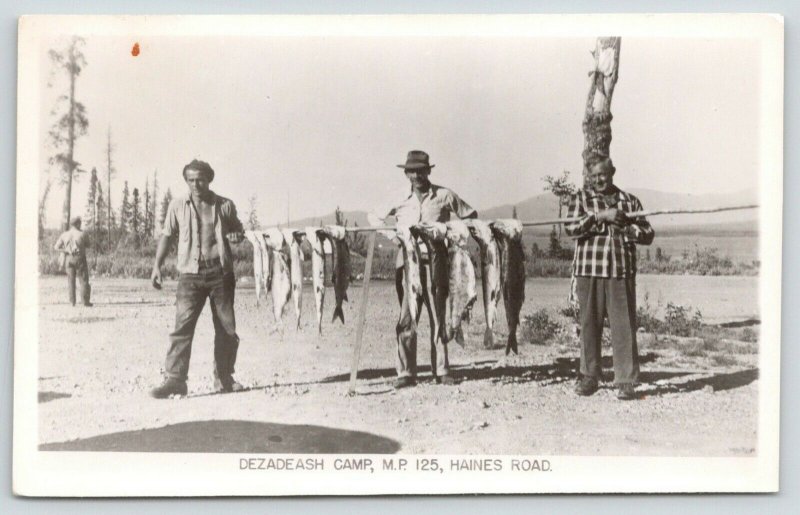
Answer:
(605, 272)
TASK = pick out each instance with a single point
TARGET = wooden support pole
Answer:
(362, 314)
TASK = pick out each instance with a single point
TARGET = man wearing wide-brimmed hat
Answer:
(72, 246)
(426, 203)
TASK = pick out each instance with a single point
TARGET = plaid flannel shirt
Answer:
(602, 250)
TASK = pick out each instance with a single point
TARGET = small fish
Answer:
(296, 259)
(341, 267)
(433, 236)
(314, 236)
(512, 274)
(490, 275)
(413, 291)
(258, 263)
(281, 273)
(462, 288)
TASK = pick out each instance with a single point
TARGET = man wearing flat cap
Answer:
(72, 246)
(425, 203)
(204, 224)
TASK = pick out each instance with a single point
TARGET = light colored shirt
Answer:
(437, 205)
(72, 242)
(182, 223)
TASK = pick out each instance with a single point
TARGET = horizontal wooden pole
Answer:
(555, 221)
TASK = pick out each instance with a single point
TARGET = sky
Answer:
(306, 124)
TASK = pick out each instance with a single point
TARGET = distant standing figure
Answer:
(204, 224)
(72, 244)
(605, 270)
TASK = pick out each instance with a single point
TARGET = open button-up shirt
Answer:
(182, 222)
(437, 205)
(601, 250)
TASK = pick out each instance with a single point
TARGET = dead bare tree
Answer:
(597, 118)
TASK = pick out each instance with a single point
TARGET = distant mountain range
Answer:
(545, 207)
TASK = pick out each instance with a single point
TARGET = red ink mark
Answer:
(135, 50)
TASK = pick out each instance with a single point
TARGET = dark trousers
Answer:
(193, 289)
(78, 269)
(615, 297)
(406, 363)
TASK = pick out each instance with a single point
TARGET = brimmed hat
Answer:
(416, 160)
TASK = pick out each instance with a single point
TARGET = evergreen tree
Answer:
(136, 216)
(554, 251)
(514, 213)
(154, 204)
(71, 120)
(147, 220)
(252, 215)
(164, 208)
(125, 211)
(90, 218)
(101, 224)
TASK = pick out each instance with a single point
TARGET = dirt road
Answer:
(97, 364)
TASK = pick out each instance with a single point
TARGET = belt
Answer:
(209, 263)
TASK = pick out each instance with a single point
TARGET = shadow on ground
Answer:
(51, 396)
(234, 436)
(566, 369)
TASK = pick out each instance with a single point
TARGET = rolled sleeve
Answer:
(460, 208)
(171, 223)
(640, 231)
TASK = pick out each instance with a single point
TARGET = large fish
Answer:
(258, 262)
(296, 259)
(281, 273)
(512, 274)
(490, 275)
(433, 235)
(462, 291)
(266, 262)
(341, 267)
(413, 292)
(314, 236)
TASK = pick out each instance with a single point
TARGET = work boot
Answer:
(227, 385)
(170, 386)
(586, 386)
(404, 382)
(626, 392)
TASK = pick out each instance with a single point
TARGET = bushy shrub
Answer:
(539, 328)
(679, 322)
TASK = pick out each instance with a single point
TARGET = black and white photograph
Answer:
(355, 255)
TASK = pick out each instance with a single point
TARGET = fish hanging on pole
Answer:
(512, 274)
(462, 292)
(296, 259)
(433, 236)
(258, 263)
(412, 281)
(490, 275)
(315, 238)
(341, 266)
(281, 273)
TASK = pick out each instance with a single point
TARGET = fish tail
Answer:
(488, 338)
(338, 313)
(511, 345)
(459, 336)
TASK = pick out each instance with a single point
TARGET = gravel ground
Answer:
(97, 364)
